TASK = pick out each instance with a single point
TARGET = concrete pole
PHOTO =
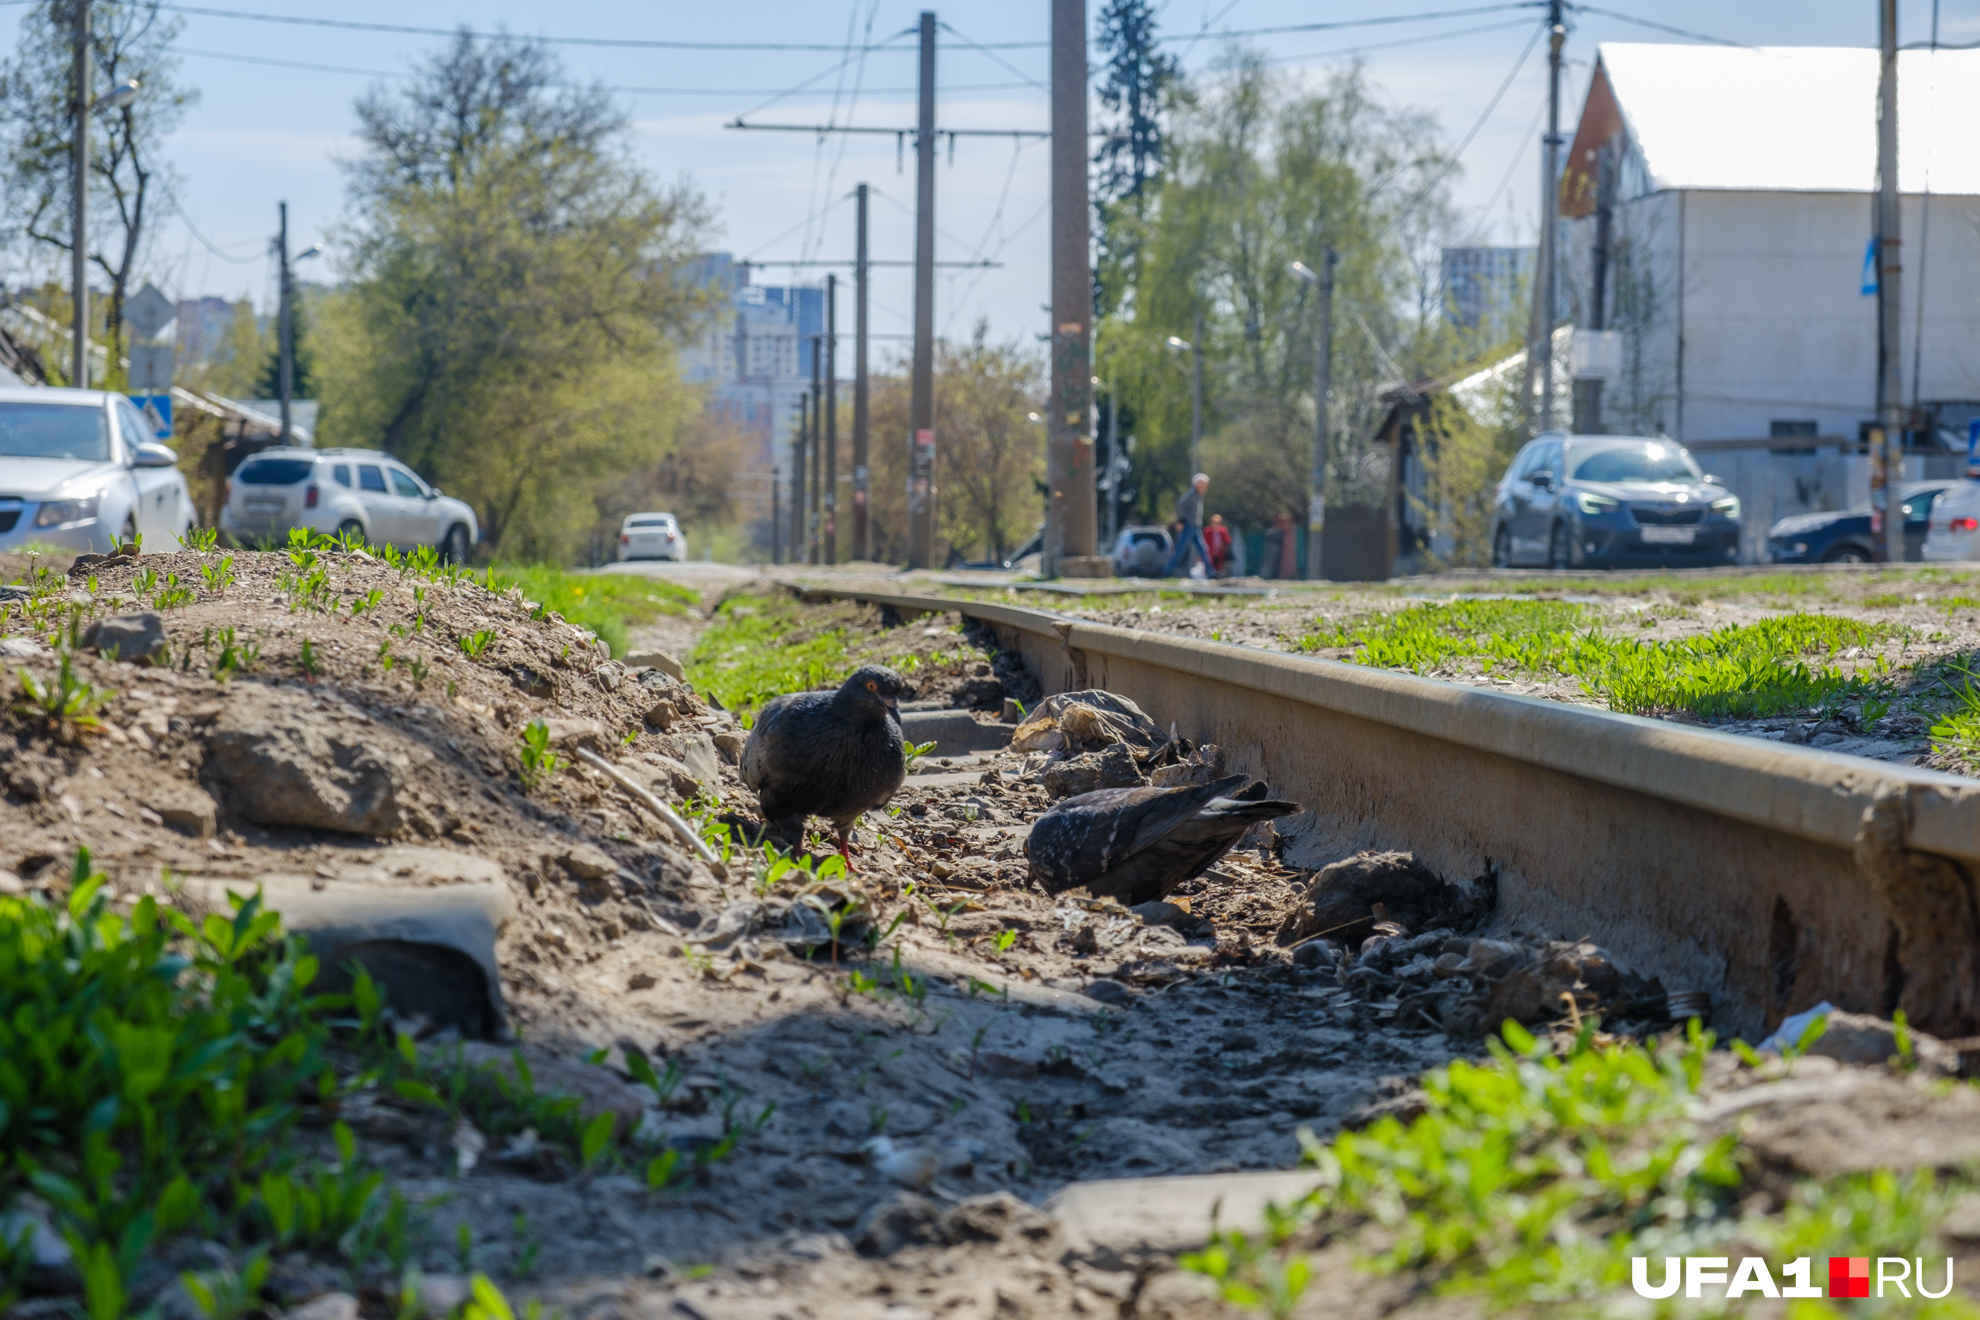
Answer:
(921, 404)
(1323, 363)
(1196, 400)
(862, 547)
(1542, 355)
(79, 200)
(831, 483)
(776, 520)
(1890, 322)
(285, 337)
(1069, 510)
(798, 477)
(817, 437)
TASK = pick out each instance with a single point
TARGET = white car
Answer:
(336, 491)
(652, 536)
(83, 470)
(1952, 532)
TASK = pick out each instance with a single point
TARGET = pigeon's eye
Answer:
(872, 686)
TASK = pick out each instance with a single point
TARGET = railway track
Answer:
(1768, 875)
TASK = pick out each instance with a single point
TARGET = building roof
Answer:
(1778, 118)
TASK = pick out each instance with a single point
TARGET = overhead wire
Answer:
(352, 25)
(1660, 27)
(812, 236)
(179, 210)
(952, 31)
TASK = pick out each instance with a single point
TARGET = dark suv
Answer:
(1603, 501)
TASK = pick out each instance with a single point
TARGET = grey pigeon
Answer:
(1137, 844)
(830, 754)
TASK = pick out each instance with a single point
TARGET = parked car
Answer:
(652, 536)
(1842, 536)
(1952, 532)
(1602, 501)
(1142, 551)
(83, 470)
(338, 491)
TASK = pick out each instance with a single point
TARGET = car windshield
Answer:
(1637, 463)
(651, 522)
(54, 430)
(274, 471)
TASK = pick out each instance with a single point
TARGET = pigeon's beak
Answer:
(892, 703)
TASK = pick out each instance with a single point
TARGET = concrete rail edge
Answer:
(1867, 864)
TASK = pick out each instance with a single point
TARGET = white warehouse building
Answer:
(1735, 189)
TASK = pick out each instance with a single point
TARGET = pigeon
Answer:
(1137, 844)
(830, 754)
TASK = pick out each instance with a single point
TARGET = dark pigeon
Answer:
(1138, 844)
(830, 754)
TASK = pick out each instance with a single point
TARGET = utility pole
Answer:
(1890, 363)
(776, 520)
(1541, 356)
(817, 434)
(1069, 510)
(862, 546)
(1196, 399)
(285, 326)
(79, 201)
(921, 405)
(1323, 362)
(831, 482)
(1598, 316)
(798, 479)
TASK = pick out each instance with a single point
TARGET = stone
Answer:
(330, 1306)
(698, 754)
(1111, 993)
(440, 1294)
(609, 675)
(1160, 913)
(730, 744)
(1863, 1038)
(666, 772)
(1342, 899)
(127, 636)
(905, 1220)
(659, 660)
(662, 714)
(1114, 1223)
(587, 861)
(286, 762)
(184, 807)
(998, 1217)
(1114, 767)
(578, 733)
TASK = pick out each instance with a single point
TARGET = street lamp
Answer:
(119, 97)
(1195, 352)
(1316, 483)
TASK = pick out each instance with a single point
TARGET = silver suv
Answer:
(336, 491)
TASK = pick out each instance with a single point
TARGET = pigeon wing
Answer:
(1087, 836)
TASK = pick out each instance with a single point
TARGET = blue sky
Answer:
(265, 131)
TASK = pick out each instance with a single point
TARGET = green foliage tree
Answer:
(510, 321)
(989, 454)
(1262, 171)
(129, 175)
(268, 385)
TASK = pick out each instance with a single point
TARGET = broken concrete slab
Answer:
(430, 949)
(1114, 1223)
(954, 732)
(126, 636)
(659, 660)
(283, 762)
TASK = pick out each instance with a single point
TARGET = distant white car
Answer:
(1952, 533)
(335, 491)
(652, 536)
(83, 470)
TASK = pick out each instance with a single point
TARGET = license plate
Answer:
(265, 506)
(1669, 535)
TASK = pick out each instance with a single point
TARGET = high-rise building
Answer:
(1489, 289)
(756, 354)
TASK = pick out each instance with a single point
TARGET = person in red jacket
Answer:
(1218, 538)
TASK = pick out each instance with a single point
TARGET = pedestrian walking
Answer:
(1189, 512)
(1217, 538)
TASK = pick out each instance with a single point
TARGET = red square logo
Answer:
(1849, 1276)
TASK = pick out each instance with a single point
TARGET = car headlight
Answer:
(1728, 507)
(1591, 503)
(57, 512)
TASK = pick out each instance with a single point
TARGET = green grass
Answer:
(760, 647)
(607, 603)
(1740, 671)
(1534, 1177)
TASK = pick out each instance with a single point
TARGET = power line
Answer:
(1451, 164)
(1422, 40)
(951, 30)
(1662, 27)
(406, 30)
(205, 242)
(403, 74)
(1365, 22)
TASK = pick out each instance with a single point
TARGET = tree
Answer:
(515, 298)
(1262, 171)
(989, 454)
(128, 171)
(1136, 80)
(269, 384)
